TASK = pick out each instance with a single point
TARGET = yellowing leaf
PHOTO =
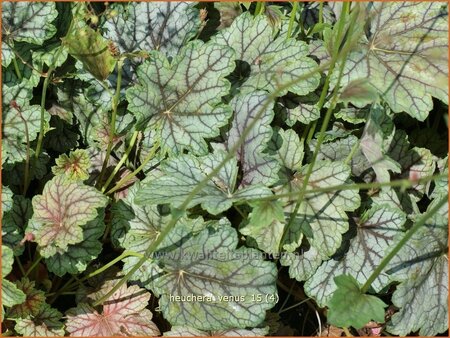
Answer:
(75, 166)
(89, 47)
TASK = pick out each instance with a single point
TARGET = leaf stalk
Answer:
(402, 243)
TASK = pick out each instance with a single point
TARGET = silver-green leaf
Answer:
(273, 61)
(404, 55)
(208, 265)
(183, 173)
(257, 167)
(146, 26)
(181, 99)
(26, 22)
(375, 234)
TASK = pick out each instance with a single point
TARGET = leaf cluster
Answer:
(198, 169)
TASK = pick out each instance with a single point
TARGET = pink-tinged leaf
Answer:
(123, 314)
(61, 211)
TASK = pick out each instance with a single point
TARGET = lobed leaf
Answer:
(76, 257)
(350, 307)
(20, 122)
(291, 152)
(34, 300)
(416, 163)
(183, 173)
(422, 268)
(375, 234)
(61, 211)
(11, 295)
(75, 166)
(209, 265)
(403, 55)
(46, 323)
(265, 225)
(321, 216)
(181, 99)
(124, 313)
(271, 61)
(339, 150)
(14, 222)
(257, 167)
(302, 265)
(61, 137)
(25, 22)
(147, 26)
(134, 228)
(375, 141)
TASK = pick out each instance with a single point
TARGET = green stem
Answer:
(311, 131)
(325, 122)
(110, 264)
(63, 293)
(19, 264)
(43, 98)
(44, 95)
(401, 243)
(107, 230)
(66, 286)
(346, 331)
(287, 298)
(17, 70)
(27, 156)
(404, 183)
(122, 160)
(352, 153)
(230, 155)
(292, 19)
(243, 215)
(112, 128)
(34, 265)
(304, 133)
(259, 7)
(17, 55)
(127, 178)
(75, 281)
(56, 283)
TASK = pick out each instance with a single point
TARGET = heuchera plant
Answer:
(239, 169)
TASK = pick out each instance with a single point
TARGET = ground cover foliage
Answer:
(238, 169)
